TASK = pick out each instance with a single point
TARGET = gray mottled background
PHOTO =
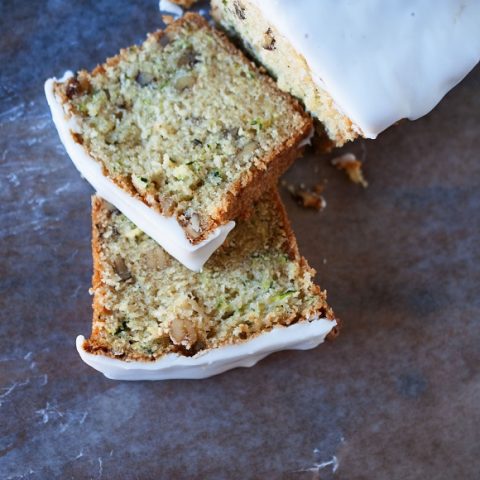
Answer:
(397, 396)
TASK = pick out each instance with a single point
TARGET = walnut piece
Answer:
(121, 268)
(239, 10)
(269, 40)
(185, 81)
(183, 332)
(156, 258)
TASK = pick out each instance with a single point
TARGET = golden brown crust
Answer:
(293, 251)
(97, 204)
(256, 181)
(259, 180)
(94, 344)
(335, 331)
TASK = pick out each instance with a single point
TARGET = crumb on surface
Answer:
(350, 164)
(308, 197)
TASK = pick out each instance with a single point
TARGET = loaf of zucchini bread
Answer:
(147, 305)
(259, 35)
(359, 66)
(186, 124)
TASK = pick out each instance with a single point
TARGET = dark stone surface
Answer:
(397, 396)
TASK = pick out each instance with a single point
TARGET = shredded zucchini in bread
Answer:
(187, 124)
(147, 304)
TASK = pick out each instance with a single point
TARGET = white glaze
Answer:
(164, 230)
(382, 61)
(300, 336)
(170, 8)
(307, 140)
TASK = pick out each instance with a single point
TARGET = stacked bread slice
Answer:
(183, 138)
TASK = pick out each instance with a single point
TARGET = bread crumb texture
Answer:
(146, 304)
(182, 121)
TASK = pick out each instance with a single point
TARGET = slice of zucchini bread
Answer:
(147, 305)
(186, 124)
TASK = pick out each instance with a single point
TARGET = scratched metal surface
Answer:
(397, 396)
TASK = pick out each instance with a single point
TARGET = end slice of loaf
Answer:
(186, 124)
(262, 39)
(147, 305)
